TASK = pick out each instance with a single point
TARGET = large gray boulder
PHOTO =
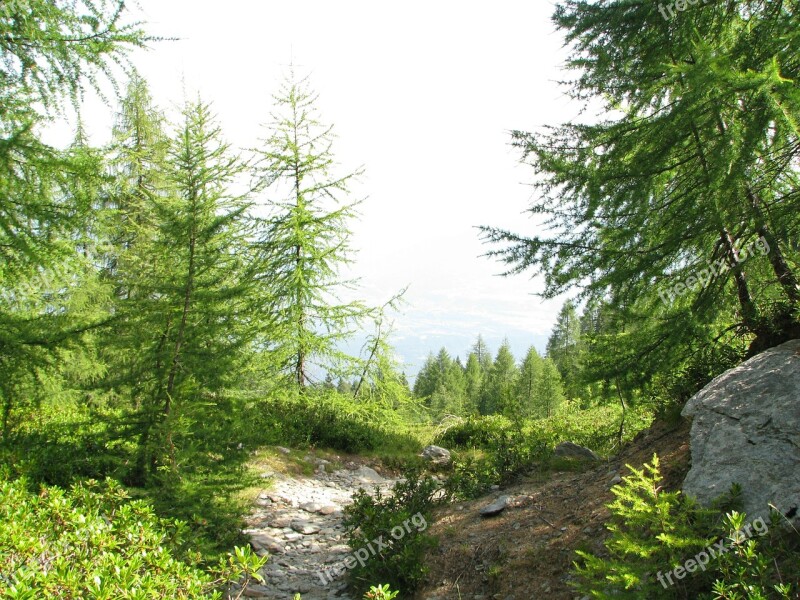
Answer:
(746, 430)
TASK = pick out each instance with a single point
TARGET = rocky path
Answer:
(298, 521)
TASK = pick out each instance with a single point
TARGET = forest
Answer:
(171, 305)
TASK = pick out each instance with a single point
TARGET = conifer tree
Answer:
(530, 374)
(499, 392)
(50, 52)
(184, 323)
(654, 207)
(305, 242)
(49, 299)
(563, 347)
(474, 379)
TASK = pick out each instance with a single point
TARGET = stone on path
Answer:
(311, 507)
(496, 507)
(305, 527)
(573, 450)
(436, 455)
(368, 475)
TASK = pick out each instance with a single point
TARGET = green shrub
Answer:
(472, 477)
(475, 432)
(332, 420)
(659, 540)
(380, 593)
(509, 449)
(94, 542)
(389, 532)
(757, 568)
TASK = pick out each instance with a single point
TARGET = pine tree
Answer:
(441, 383)
(474, 379)
(305, 242)
(549, 388)
(530, 374)
(193, 287)
(50, 52)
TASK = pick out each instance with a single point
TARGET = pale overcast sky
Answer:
(423, 95)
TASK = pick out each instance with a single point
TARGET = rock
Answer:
(367, 475)
(616, 479)
(263, 544)
(254, 590)
(327, 510)
(746, 429)
(436, 455)
(305, 527)
(496, 507)
(573, 450)
(311, 507)
(283, 450)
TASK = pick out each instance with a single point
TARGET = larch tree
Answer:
(50, 52)
(305, 242)
(680, 207)
(195, 293)
(474, 378)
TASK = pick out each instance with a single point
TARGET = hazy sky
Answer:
(423, 95)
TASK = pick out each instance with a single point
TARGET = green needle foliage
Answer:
(696, 163)
(305, 241)
(50, 52)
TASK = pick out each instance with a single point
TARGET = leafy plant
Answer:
(752, 569)
(93, 541)
(380, 593)
(389, 531)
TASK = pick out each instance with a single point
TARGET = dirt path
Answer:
(298, 521)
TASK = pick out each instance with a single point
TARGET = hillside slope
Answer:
(526, 551)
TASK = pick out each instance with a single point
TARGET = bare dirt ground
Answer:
(526, 552)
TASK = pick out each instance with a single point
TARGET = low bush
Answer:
(388, 533)
(495, 450)
(332, 420)
(94, 542)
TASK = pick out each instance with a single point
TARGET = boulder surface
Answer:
(746, 430)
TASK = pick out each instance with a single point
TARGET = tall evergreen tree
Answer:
(474, 381)
(183, 322)
(563, 347)
(50, 51)
(657, 207)
(530, 375)
(499, 392)
(305, 242)
(441, 382)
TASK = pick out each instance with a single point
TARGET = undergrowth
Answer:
(663, 545)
